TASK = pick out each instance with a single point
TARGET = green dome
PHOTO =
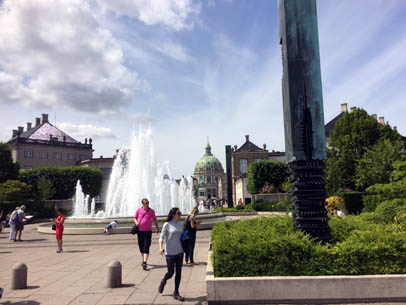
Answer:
(208, 162)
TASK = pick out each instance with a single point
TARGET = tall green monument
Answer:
(303, 115)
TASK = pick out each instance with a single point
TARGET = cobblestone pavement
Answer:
(79, 274)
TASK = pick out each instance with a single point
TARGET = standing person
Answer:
(143, 219)
(189, 244)
(19, 224)
(171, 233)
(11, 222)
(59, 228)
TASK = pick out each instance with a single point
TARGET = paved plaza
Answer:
(78, 275)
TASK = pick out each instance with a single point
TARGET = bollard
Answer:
(114, 274)
(19, 276)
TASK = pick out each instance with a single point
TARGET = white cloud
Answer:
(174, 14)
(86, 131)
(57, 53)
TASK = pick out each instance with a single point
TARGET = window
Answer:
(208, 179)
(243, 166)
(43, 155)
(57, 156)
(201, 194)
(81, 157)
(216, 179)
(71, 156)
(28, 154)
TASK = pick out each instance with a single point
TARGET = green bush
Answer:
(64, 180)
(245, 208)
(240, 207)
(35, 208)
(353, 202)
(267, 206)
(265, 172)
(270, 247)
(372, 217)
(15, 191)
(390, 208)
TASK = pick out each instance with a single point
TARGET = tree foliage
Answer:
(15, 191)
(64, 180)
(8, 169)
(354, 135)
(45, 188)
(266, 172)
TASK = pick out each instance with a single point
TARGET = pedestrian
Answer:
(59, 221)
(189, 244)
(171, 234)
(12, 220)
(19, 223)
(110, 226)
(143, 219)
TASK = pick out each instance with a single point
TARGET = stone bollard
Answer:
(19, 276)
(114, 274)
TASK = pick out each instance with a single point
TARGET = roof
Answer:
(330, 125)
(44, 132)
(208, 162)
(248, 146)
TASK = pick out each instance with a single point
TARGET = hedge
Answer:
(265, 172)
(276, 206)
(381, 192)
(35, 208)
(353, 202)
(390, 208)
(270, 247)
(64, 180)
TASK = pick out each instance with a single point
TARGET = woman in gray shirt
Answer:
(170, 235)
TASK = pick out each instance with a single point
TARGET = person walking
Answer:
(189, 244)
(19, 224)
(59, 221)
(11, 222)
(143, 220)
(171, 234)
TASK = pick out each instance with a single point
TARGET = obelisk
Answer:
(303, 115)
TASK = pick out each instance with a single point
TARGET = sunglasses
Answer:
(178, 213)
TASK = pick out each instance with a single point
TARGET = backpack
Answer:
(14, 216)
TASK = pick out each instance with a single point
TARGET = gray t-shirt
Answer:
(170, 235)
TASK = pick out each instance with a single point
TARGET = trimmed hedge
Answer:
(353, 202)
(35, 208)
(267, 206)
(269, 247)
(265, 172)
(64, 180)
(390, 208)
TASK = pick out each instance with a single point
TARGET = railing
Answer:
(50, 143)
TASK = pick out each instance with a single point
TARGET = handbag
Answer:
(54, 227)
(186, 234)
(135, 229)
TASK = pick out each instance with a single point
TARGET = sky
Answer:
(190, 69)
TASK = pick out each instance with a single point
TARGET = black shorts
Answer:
(144, 241)
(19, 226)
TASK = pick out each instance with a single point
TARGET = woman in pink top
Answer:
(143, 219)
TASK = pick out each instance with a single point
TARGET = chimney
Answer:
(29, 125)
(375, 116)
(20, 129)
(344, 107)
(264, 146)
(15, 132)
(382, 120)
(353, 108)
(44, 118)
(37, 122)
(247, 138)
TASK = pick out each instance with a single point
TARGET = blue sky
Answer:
(189, 68)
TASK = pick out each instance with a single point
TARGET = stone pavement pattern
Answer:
(78, 275)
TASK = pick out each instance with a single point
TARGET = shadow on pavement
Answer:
(155, 267)
(75, 251)
(127, 285)
(33, 240)
(21, 303)
(198, 300)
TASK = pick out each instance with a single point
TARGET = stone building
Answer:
(46, 145)
(241, 158)
(210, 177)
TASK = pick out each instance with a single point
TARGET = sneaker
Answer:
(59, 251)
(144, 266)
(176, 296)
(162, 286)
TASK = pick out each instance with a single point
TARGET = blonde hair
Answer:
(194, 212)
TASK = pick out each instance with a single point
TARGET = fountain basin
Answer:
(94, 225)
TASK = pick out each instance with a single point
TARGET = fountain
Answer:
(135, 175)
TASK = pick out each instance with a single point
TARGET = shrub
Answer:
(270, 247)
(277, 206)
(64, 180)
(240, 207)
(334, 202)
(353, 202)
(372, 217)
(389, 208)
(15, 191)
(399, 222)
(266, 172)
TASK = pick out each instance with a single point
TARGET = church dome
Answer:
(208, 163)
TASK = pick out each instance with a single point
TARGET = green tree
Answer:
(8, 169)
(15, 191)
(266, 172)
(354, 134)
(45, 188)
(376, 165)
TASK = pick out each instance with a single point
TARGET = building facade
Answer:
(241, 158)
(46, 145)
(209, 176)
